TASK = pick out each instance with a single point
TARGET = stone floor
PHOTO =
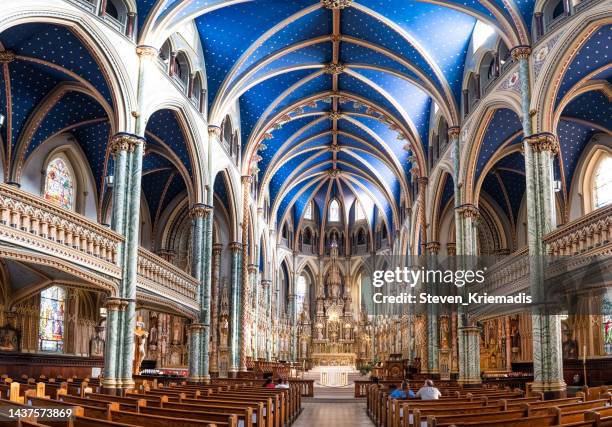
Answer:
(339, 414)
(335, 408)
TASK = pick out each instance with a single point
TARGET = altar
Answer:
(334, 376)
(334, 359)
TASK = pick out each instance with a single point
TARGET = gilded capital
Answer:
(235, 246)
(7, 56)
(520, 52)
(253, 268)
(542, 142)
(112, 304)
(422, 180)
(454, 131)
(468, 210)
(125, 142)
(217, 248)
(145, 50)
(432, 247)
(200, 210)
(196, 327)
(247, 179)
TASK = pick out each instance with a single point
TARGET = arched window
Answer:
(308, 211)
(165, 51)
(51, 325)
(334, 211)
(602, 183)
(59, 182)
(361, 237)
(383, 231)
(359, 214)
(181, 68)
(300, 293)
(558, 10)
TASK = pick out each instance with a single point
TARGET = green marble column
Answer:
(235, 308)
(110, 347)
(206, 293)
(432, 248)
(539, 150)
(197, 214)
(267, 312)
(254, 301)
(214, 308)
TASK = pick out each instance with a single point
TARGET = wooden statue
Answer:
(140, 342)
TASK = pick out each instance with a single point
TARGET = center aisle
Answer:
(334, 407)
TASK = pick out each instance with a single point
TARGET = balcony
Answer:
(36, 231)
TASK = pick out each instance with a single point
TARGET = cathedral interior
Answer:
(201, 190)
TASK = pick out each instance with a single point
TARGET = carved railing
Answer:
(589, 234)
(157, 274)
(509, 272)
(30, 222)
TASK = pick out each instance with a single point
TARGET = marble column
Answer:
(111, 354)
(197, 214)
(267, 311)
(422, 184)
(206, 293)
(539, 150)
(245, 311)
(235, 308)
(195, 338)
(214, 307)
(254, 305)
(432, 248)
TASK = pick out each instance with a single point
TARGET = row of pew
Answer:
(490, 407)
(150, 404)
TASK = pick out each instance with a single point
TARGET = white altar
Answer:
(334, 376)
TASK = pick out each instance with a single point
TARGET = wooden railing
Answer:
(588, 234)
(158, 274)
(31, 222)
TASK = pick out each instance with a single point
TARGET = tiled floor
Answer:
(333, 414)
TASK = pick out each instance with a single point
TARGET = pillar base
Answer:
(550, 390)
(128, 384)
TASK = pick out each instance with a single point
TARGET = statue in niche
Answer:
(223, 331)
(96, 344)
(570, 345)
(153, 333)
(515, 337)
(444, 333)
(176, 330)
(140, 341)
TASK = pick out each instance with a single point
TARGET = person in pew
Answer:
(281, 383)
(428, 391)
(403, 393)
(269, 383)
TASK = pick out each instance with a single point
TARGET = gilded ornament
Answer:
(336, 4)
(333, 68)
(7, 56)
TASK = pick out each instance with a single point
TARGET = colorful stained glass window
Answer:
(334, 211)
(51, 327)
(59, 183)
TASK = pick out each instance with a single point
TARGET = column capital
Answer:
(113, 304)
(196, 327)
(7, 56)
(214, 130)
(266, 283)
(468, 210)
(454, 131)
(520, 52)
(253, 268)
(217, 248)
(246, 179)
(146, 50)
(235, 246)
(541, 142)
(432, 247)
(451, 248)
(124, 141)
(200, 210)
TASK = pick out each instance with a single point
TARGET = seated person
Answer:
(403, 393)
(428, 391)
(269, 383)
(281, 383)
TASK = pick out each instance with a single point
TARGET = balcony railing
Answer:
(588, 234)
(29, 222)
(157, 273)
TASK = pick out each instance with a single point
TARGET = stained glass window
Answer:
(308, 211)
(334, 211)
(59, 183)
(603, 183)
(51, 327)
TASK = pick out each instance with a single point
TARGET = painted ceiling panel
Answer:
(502, 126)
(514, 185)
(320, 53)
(593, 107)
(594, 54)
(356, 54)
(59, 46)
(448, 193)
(223, 45)
(221, 190)
(280, 177)
(293, 192)
(93, 140)
(164, 125)
(443, 33)
(573, 137)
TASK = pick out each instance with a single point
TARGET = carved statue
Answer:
(140, 341)
(153, 332)
(96, 344)
(444, 333)
(224, 331)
